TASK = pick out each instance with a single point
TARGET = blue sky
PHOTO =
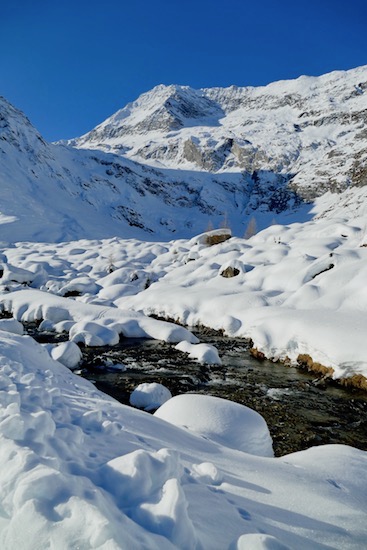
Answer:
(70, 64)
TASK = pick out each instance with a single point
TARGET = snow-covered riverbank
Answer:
(298, 290)
(78, 469)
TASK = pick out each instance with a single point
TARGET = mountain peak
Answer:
(162, 109)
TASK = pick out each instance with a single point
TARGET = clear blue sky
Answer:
(69, 64)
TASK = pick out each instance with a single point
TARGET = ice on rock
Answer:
(224, 422)
(67, 353)
(149, 396)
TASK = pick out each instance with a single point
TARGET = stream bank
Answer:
(300, 409)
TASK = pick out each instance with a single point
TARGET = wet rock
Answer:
(229, 272)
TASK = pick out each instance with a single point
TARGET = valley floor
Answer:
(81, 470)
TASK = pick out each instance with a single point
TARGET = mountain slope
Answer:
(54, 192)
(178, 160)
(310, 130)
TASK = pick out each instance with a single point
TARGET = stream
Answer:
(300, 409)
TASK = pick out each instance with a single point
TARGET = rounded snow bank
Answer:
(149, 396)
(221, 421)
(93, 334)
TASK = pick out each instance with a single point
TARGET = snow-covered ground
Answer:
(297, 290)
(80, 470)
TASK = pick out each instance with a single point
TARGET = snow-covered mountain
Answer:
(178, 160)
(52, 192)
(310, 131)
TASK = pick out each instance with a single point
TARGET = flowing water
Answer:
(300, 409)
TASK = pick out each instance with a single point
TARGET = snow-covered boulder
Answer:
(67, 353)
(204, 353)
(93, 334)
(149, 396)
(13, 274)
(11, 325)
(209, 238)
(232, 269)
(79, 286)
(219, 420)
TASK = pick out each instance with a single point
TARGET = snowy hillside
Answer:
(53, 193)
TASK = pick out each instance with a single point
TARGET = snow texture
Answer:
(78, 469)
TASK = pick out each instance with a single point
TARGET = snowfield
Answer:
(297, 291)
(80, 470)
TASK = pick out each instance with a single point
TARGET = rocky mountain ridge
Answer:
(178, 160)
(311, 131)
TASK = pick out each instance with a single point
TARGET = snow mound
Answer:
(67, 353)
(206, 472)
(204, 353)
(93, 334)
(257, 541)
(221, 421)
(134, 478)
(11, 325)
(149, 396)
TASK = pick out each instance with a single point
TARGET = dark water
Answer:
(300, 410)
